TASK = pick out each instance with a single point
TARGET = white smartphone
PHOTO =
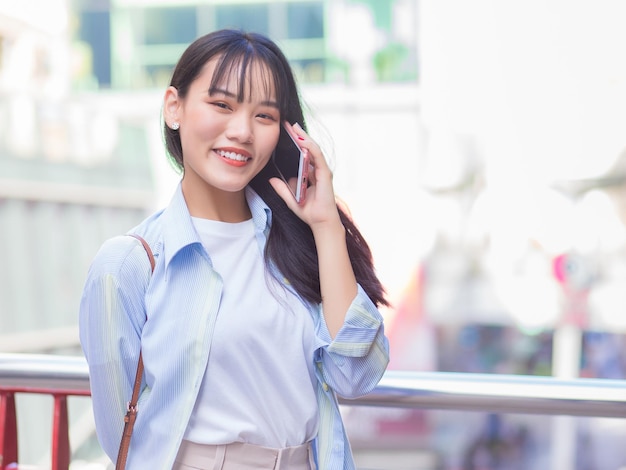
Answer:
(292, 162)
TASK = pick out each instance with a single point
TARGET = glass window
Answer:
(310, 71)
(146, 41)
(247, 17)
(95, 32)
(157, 76)
(173, 25)
(305, 20)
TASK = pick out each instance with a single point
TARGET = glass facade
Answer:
(144, 40)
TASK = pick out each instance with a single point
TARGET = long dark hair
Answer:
(290, 244)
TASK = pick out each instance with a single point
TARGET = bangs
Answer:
(253, 72)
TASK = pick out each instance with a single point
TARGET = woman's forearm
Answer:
(337, 281)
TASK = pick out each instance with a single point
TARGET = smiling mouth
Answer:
(236, 157)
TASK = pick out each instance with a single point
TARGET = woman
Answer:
(259, 311)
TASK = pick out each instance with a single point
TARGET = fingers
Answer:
(304, 140)
(284, 192)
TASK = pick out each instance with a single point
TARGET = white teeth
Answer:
(233, 156)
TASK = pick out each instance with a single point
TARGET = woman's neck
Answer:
(214, 204)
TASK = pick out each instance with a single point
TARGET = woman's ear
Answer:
(171, 105)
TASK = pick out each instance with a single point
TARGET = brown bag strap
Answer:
(131, 413)
(147, 248)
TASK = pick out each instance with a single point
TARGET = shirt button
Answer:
(325, 386)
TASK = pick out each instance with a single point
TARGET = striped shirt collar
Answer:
(178, 229)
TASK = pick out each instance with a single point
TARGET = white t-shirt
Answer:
(259, 386)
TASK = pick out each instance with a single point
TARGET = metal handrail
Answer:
(40, 341)
(400, 389)
(499, 393)
(52, 373)
(63, 376)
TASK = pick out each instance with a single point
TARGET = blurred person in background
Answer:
(260, 309)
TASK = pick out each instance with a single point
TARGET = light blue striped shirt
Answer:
(170, 315)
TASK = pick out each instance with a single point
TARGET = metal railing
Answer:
(58, 376)
(63, 376)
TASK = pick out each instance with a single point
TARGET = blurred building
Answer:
(72, 171)
(80, 90)
(134, 44)
(81, 158)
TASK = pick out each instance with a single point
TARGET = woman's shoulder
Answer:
(119, 256)
(123, 255)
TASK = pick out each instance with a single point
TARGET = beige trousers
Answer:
(241, 456)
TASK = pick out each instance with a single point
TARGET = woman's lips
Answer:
(234, 157)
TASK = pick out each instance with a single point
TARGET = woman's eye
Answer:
(221, 105)
(269, 117)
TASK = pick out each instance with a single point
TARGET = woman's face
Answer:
(225, 143)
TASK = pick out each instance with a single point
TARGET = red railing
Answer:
(60, 427)
(26, 374)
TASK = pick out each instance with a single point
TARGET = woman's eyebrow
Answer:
(273, 104)
(221, 91)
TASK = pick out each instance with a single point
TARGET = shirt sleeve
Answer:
(111, 317)
(354, 361)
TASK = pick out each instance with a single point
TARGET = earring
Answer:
(175, 126)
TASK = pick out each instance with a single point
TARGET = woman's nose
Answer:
(240, 129)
